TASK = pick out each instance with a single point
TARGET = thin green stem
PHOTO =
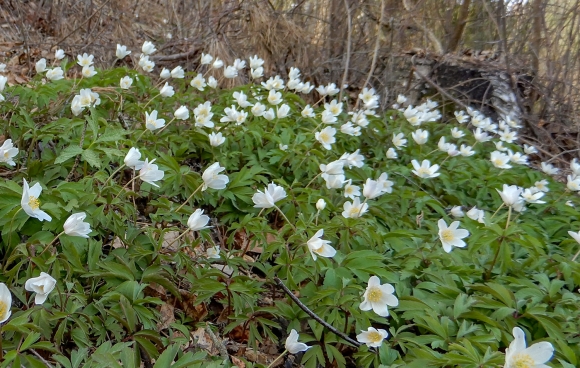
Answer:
(179, 237)
(51, 243)
(278, 357)
(188, 198)
(125, 186)
(311, 181)
(496, 211)
(495, 257)
(166, 125)
(285, 218)
(113, 174)
(147, 104)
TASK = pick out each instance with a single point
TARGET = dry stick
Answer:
(313, 315)
(83, 23)
(348, 45)
(41, 358)
(376, 51)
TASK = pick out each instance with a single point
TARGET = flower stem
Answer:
(285, 218)
(179, 237)
(311, 181)
(113, 174)
(166, 125)
(188, 198)
(51, 243)
(125, 186)
(496, 211)
(488, 273)
(278, 357)
(150, 101)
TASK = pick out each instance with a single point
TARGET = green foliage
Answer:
(455, 309)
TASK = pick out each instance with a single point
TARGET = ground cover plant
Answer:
(140, 206)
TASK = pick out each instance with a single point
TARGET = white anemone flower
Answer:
(75, 226)
(451, 236)
(30, 202)
(292, 345)
(41, 285)
(5, 303)
(211, 179)
(520, 356)
(372, 337)
(425, 170)
(379, 297)
(267, 199)
(197, 220)
(319, 247)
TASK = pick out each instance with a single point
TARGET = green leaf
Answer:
(67, 153)
(91, 157)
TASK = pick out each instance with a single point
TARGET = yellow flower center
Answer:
(374, 337)
(318, 250)
(34, 203)
(374, 295)
(335, 110)
(41, 288)
(423, 171)
(3, 309)
(447, 235)
(6, 154)
(323, 136)
(354, 211)
(522, 360)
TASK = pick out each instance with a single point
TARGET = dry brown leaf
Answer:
(238, 362)
(166, 316)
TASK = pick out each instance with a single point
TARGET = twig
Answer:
(313, 315)
(83, 23)
(376, 51)
(173, 57)
(41, 358)
(217, 343)
(348, 46)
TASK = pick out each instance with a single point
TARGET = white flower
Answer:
(326, 137)
(177, 72)
(425, 170)
(476, 215)
(549, 168)
(283, 147)
(2, 67)
(88, 71)
(574, 235)
(269, 114)
(456, 133)
(354, 209)
(148, 48)
(500, 160)
(230, 72)
(267, 199)
(205, 59)
(273, 83)
(460, 116)
(152, 123)
(457, 212)
(333, 168)
(211, 179)
(420, 136)
(481, 136)
(510, 194)
(292, 345)
(508, 136)
(518, 157)
(40, 66)
(198, 82)
(146, 64)
(530, 149)
(54, 74)
(258, 109)
(542, 185)
(182, 113)
(575, 167)
(466, 151)
(518, 356)
(391, 153)
(319, 247)
(150, 173)
(349, 129)
(375, 188)
(372, 337)
(532, 197)
(451, 236)
(31, 204)
(353, 159)
(239, 64)
(256, 62)
(334, 181)
(216, 139)
(328, 90)
(399, 140)
(351, 191)
(241, 99)
(126, 82)
(334, 107)
(213, 252)
(132, 159)
(282, 111)
(41, 285)
(7, 152)
(167, 90)
(379, 297)
(274, 97)
(5, 303)
(165, 73)
(122, 51)
(328, 118)
(85, 59)
(75, 226)
(257, 73)
(573, 183)
(59, 54)
(198, 221)
(218, 63)
(401, 99)
(320, 204)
